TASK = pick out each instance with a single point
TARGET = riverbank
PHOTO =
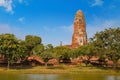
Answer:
(59, 69)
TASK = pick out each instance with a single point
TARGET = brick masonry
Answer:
(79, 37)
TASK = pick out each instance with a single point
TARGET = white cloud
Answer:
(112, 6)
(24, 2)
(99, 24)
(98, 3)
(60, 28)
(7, 4)
(21, 19)
(56, 34)
(20, 1)
(5, 28)
(49, 29)
(68, 28)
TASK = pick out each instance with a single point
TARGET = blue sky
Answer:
(52, 20)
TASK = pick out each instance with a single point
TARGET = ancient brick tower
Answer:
(79, 37)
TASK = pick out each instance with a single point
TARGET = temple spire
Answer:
(79, 37)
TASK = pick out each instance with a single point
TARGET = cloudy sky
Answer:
(52, 20)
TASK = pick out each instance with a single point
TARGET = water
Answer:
(80, 76)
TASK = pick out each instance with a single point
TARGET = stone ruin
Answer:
(79, 37)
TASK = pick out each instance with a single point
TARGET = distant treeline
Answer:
(104, 44)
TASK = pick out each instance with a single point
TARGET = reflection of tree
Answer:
(113, 78)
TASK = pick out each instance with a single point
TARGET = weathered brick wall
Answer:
(79, 36)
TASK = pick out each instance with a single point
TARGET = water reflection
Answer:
(40, 76)
(113, 78)
(79, 76)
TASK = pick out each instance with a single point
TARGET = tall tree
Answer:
(31, 42)
(62, 52)
(9, 47)
(38, 49)
(47, 54)
(107, 43)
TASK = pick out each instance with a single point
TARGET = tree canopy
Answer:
(104, 44)
(107, 44)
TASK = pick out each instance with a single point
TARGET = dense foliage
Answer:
(104, 44)
(107, 44)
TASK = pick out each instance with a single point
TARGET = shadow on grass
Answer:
(55, 67)
(107, 68)
(21, 67)
(14, 66)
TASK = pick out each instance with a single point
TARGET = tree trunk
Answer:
(58, 61)
(114, 66)
(8, 66)
(45, 64)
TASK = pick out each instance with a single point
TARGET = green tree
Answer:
(10, 48)
(38, 49)
(86, 51)
(62, 52)
(31, 42)
(47, 54)
(107, 44)
(21, 50)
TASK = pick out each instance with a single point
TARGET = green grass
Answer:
(59, 69)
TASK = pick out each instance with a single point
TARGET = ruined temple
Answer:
(79, 37)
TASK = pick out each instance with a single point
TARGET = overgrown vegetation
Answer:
(104, 44)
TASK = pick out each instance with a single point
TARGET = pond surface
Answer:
(78, 76)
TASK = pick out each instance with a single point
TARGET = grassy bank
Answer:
(59, 69)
